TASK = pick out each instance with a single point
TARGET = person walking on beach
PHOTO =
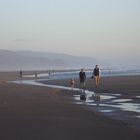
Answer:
(49, 73)
(96, 74)
(20, 74)
(82, 77)
(36, 74)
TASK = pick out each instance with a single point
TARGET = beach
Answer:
(29, 112)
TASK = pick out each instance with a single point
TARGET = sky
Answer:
(105, 29)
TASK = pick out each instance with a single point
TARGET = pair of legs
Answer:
(97, 80)
(82, 86)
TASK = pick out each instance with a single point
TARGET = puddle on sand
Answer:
(137, 96)
(138, 117)
(121, 100)
(132, 107)
(105, 111)
(108, 104)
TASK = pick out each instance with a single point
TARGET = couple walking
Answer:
(96, 75)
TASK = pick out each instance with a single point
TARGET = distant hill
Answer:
(29, 60)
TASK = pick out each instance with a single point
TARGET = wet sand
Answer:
(126, 85)
(39, 113)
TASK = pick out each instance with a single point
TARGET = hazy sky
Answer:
(97, 28)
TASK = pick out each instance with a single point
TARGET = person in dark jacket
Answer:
(82, 77)
(96, 74)
(21, 74)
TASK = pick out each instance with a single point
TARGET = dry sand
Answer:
(40, 113)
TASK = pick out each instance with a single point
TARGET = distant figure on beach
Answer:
(72, 82)
(49, 73)
(82, 77)
(20, 74)
(36, 74)
(96, 74)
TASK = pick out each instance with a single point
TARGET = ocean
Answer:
(104, 73)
